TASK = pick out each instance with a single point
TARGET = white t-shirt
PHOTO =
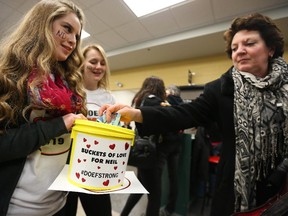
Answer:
(31, 195)
(95, 99)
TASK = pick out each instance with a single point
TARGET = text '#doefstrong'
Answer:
(99, 175)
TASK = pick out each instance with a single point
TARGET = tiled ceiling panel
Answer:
(133, 32)
(194, 14)
(160, 24)
(112, 12)
(93, 24)
(224, 9)
(176, 33)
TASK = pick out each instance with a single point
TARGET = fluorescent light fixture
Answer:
(84, 34)
(144, 7)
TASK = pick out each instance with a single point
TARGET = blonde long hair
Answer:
(104, 82)
(31, 44)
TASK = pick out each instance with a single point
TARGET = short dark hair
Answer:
(268, 30)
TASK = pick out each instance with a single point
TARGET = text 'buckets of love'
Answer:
(99, 155)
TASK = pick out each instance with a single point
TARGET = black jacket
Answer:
(215, 104)
(15, 146)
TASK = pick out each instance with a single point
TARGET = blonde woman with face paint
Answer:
(96, 74)
(41, 95)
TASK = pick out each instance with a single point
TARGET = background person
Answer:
(96, 75)
(170, 152)
(40, 96)
(249, 104)
(153, 94)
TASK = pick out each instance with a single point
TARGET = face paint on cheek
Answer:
(89, 68)
(61, 34)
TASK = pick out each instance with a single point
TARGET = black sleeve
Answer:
(199, 112)
(20, 142)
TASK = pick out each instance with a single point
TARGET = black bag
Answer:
(143, 152)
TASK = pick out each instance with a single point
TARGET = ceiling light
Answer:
(144, 7)
(84, 34)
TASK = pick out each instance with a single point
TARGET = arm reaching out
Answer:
(127, 113)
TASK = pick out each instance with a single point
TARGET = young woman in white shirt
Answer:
(96, 74)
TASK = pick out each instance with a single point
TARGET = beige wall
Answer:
(205, 69)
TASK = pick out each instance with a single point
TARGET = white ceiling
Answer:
(188, 30)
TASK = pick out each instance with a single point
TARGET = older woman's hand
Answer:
(127, 113)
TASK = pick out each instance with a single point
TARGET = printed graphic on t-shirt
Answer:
(57, 145)
(40, 170)
(92, 111)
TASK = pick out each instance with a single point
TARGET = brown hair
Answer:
(268, 30)
(151, 85)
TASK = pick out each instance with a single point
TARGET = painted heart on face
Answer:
(88, 146)
(77, 175)
(126, 146)
(95, 142)
(119, 180)
(123, 162)
(84, 139)
(98, 167)
(84, 160)
(83, 180)
(112, 146)
(79, 161)
(106, 183)
(115, 167)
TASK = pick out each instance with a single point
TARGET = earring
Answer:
(271, 55)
